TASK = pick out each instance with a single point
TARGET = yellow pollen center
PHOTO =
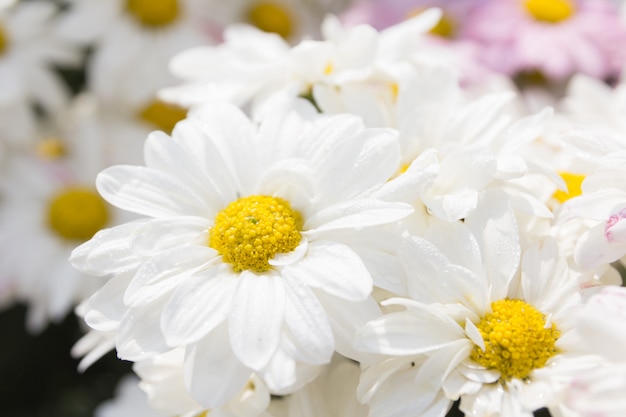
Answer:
(251, 230)
(574, 187)
(163, 115)
(271, 17)
(4, 40)
(444, 28)
(50, 148)
(516, 338)
(77, 213)
(550, 11)
(153, 13)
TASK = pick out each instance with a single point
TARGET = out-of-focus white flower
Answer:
(333, 393)
(50, 205)
(129, 401)
(475, 329)
(236, 260)
(602, 325)
(29, 50)
(252, 65)
(162, 379)
(133, 42)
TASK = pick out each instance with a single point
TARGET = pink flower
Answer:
(554, 37)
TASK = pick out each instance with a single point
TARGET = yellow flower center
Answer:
(50, 148)
(251, 230)
(517, 340)
(4, 40)
(574, 187)
(163, 115)
(550, 11)
(271, 17)
(154, 13)
(77, 213)
(445, 27)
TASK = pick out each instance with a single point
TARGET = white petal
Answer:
(333, 268)
(256, 318)
(149, 192)
(198, 305)
(107, 252)
(139, 335)
(406, 333)
(162, 234)
(161, 273)
(308, 325)
(104, 310)
(213, 374)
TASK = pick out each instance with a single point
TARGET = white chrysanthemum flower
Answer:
(602, 325)
(162, 380)
(133, 42)
(50, 205)
(28, 53)
(236, 260)
(333, 393)
(252, 65)
(129, 401)
(475, 329)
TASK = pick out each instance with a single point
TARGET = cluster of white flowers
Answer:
(321, 219)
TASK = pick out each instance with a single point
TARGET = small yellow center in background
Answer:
(153, 13)
(251, 230)
(445, 27)
(550, 11)
(4, 40)
(574, 187)
(163, 115)
(516, 339)
(50, 148)
(271, 17)
(77, 213)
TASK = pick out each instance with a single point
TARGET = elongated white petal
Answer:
(333, 268)
(198, 305)
(256, 318)
(213, 374)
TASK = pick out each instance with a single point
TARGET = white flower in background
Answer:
(290, 19)
(29, 51)
(475, 328)
(252, 65)
(162, 380)
(333, 393)
(602, 325)
(236, 259)
(129, 401)
(133, 42)
(49, 206)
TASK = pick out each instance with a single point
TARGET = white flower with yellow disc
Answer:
(236, 259)
(29, 50)
(475, 328)
(133, 41)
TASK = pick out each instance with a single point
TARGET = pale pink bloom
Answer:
(587, 39)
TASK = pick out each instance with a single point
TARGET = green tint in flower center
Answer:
(252, 230)
(550, 11)
(271, 17)
(77, 213)
(516, 338)
(154, 13)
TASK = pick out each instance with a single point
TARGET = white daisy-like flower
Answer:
(133, 42)
(129, 401)
(602, 325)
(162, 380)
(333, 393)
(252, 65)
(236, 259)
(49, 206)
(475, 329)
(29, 51)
